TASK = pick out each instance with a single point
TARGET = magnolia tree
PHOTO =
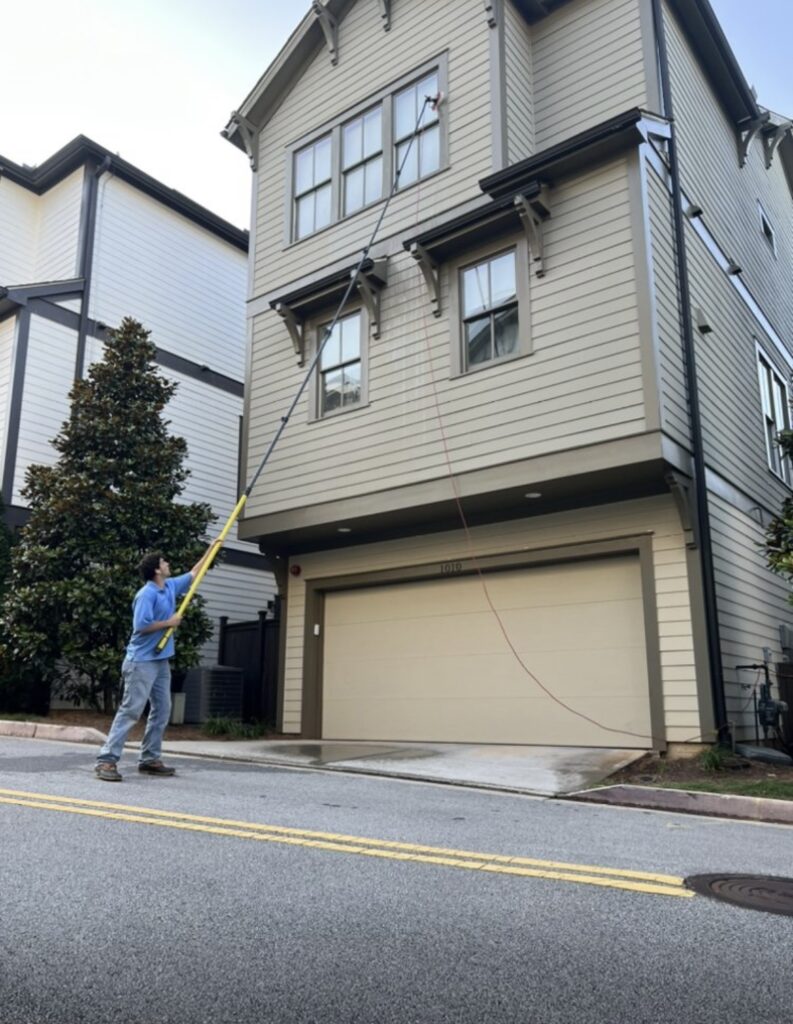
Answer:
(779, 534)
(110, 497)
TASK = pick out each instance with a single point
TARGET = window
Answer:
(362, 160)
(353, 163)
(313, 187)
(765, 227)
(776, 416)
(424, 156)
(340, 365)
(489, 307)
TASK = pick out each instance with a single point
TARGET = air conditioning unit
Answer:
(213, 691)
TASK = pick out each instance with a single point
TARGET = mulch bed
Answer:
(100, 721)
(652, 770)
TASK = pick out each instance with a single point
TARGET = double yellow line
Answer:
(491, 863)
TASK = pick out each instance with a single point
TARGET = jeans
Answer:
(143, 681)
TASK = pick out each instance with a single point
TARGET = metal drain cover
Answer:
(754, 892)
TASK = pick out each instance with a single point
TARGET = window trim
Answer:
(313, 327)
(766, 220)
(765, 365)
(333, 127)
(523, 282)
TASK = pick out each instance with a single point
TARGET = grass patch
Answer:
(233, 729)
(773, 789)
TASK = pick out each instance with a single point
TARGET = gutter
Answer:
(86, 256)
(689, 355)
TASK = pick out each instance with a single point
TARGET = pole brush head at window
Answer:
(435, 101)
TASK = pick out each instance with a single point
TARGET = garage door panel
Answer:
(429, 660)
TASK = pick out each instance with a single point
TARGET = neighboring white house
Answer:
(86, 239)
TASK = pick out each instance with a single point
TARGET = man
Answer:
(146, 672)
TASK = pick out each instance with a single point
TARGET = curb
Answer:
(45, 731)
(687, 801)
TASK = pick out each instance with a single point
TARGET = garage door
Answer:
(428, 660)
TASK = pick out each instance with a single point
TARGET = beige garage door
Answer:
(429, 661)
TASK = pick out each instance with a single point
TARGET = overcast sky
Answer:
(155, 80)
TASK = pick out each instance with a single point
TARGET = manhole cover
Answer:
(754, 892)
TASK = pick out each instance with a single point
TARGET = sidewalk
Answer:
(578, 774)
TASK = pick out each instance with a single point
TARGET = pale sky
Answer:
(155, 80)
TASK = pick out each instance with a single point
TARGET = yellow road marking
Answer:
(491, 863)
(337, 837)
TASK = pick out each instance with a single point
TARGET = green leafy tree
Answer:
(779, 533)
(110, 497)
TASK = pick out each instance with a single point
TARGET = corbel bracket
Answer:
(747, 133)
(296, 330)
(771, 135)
(533, 212)
(493, 12)
(385, 13)
(679, 488)
(431, 272)
(330, 29)
(369, 287)
(248, 134)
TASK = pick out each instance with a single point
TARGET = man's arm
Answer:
(174, 621)
(143, 618)
(197, 567)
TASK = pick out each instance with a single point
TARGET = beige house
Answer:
(521, 500)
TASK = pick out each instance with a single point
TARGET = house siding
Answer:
(59, 230)
(581, 384)
(184, 285)
(519, 77)
(7, 340)
(18, 230)
(654, 515)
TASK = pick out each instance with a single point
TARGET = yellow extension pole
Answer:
(210, 558)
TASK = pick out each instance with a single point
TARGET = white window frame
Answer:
(385, 99)
(775, 408)
(767, 228)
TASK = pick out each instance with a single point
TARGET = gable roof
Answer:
(696, 16)
(82, 150)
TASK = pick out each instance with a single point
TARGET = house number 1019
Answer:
(451, 568)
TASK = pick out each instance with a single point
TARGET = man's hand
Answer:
(173, 622)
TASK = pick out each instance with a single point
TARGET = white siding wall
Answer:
(655, 515)
(519, 85)
(49, 372)
(59, 229)
(7, 339)
(183, 284)
(18, 231)
(588, 62)
(581, 384)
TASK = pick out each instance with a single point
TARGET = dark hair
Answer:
(149, 564)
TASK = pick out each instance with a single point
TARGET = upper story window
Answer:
(313, 188)
(423, 157)
(766, 228)
(351, 164)
(776, 416)
(362, 160)
(340, 366)
(489, 306)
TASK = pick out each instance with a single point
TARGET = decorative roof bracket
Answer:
(432, 275)
(771, 135)
(369, 286)
(533, 212)
(493, 12)
(385, 14)
(330, 29)
(679, 488)
(249, 135)
(746, 134)
(296, 330)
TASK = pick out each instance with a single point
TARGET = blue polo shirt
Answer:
(154, 604)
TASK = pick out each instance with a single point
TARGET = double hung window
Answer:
(776, 416)
(313, 175)
(362, 160)
(423, 157)
(340, 373)
(489, 300)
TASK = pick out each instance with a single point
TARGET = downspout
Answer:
(698, 451)
(86, 257)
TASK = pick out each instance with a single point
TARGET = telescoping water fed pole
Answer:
(429, 101)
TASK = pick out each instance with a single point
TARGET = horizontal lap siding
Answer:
(183, 284)
(519, 86)
(581, 384)
(59, 229)
(753, 603)
(7, 339)
(49, 373)
(369, 60)
(674, 392)
(655, 515)
(588, 66)
(728, 193)
(19, 213)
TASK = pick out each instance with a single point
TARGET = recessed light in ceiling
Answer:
(533, 494)
(344, 529)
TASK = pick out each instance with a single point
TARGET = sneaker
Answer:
(107, 772)
(155, 768)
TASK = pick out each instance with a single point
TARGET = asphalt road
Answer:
(116, 914)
